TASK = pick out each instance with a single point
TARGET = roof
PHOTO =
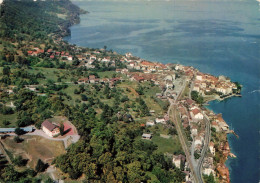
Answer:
(195, 111)
(146, 135)
(91, 77)
(189, 101)
(47, 124)
(211, 144)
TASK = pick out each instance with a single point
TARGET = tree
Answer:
(140, 90)
(196, 155)
(6, 123)
(196, 97)
(19, 131)
(49, 180)
(6, 70)
(41, 166)
(209, 178)
(62, 129)
(9, 174)
(17, 139)
(84, 97)
(172, 131)
(19, 161)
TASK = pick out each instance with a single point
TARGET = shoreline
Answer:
(230, 154)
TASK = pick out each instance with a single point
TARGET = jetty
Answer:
(233, 132)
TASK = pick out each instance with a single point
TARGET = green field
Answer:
(171, 145)
(12, 118)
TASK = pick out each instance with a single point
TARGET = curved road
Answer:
(195, 168)
(205, 147)
(173, 114)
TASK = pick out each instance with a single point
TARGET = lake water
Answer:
(217, 37)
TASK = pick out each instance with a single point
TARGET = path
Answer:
(2, 150)
(74, 138)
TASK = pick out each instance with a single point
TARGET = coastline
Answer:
(217, 98)
(229, 155)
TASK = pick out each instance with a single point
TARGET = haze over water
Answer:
(217, 37)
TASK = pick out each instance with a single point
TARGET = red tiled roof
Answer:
(195, 111)
(47, 124)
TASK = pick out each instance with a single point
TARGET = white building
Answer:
(160, 120)
(196, 114)
(211, 148)
(150, 123)
(208, 171)
(50, 129)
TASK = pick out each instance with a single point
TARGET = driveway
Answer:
(73, 138)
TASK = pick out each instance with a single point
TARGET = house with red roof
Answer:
(83, 81)
(196, 114)
(50, 129)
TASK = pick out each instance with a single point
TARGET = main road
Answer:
(205, 147)
(172, 113)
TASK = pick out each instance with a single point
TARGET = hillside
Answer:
(42, 77)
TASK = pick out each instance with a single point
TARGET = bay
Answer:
(219, 37)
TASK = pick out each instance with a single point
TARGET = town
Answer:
(73, 113)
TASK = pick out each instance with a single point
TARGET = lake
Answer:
(219, 37)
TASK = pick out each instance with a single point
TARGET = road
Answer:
(172, 113)
(194, 166)
(197, 166)
(205, 147)
(74, 138)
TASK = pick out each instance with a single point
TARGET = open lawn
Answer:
(108, 74)
(158, 129)
(171, 145)
(34, 148)
(149, 91)
(51, 74)
(12, 118)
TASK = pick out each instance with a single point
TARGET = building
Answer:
(177, 160)
(196, 114)
(92, 79)
(146, 136)
(150, 123)
(211, 148)
(83, 81)
(198, 141)
(208, 171)
(194, 131)
(50, 129)
(160, 120)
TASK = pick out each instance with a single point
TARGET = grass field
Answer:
(11, 117)
(171, 145)
(186, 91)
(34, 148)
(51, 74)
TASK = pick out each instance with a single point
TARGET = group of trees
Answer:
(110, 153)
(26, 20)
(197, 97)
